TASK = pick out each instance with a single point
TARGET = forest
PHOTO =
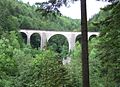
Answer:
(25, 65)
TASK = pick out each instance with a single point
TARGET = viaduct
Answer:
(46, 35)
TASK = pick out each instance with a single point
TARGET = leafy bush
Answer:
(45, 71)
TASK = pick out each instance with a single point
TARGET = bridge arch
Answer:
(35, 40)
(92, 36)
(58, 43)
(56, 33)
(78, 38)
(24, 37)
(67, 35)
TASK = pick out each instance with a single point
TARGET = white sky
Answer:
(93, 7)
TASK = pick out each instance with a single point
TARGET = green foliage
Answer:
(16, 14)
(18, 68)
(22, 66)
(35, 41)
(109, 48)
(95, 66)
(94, 22)
(45, 71)
(75, 66)
(8, 65)
(7, 21)
(59, 44)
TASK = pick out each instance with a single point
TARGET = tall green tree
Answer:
(109, 47)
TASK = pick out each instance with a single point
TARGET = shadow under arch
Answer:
(59, 44)
(78, 38)
(92, 36)
(24, 37)
(35, 40)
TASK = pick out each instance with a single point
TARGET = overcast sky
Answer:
(73, 11)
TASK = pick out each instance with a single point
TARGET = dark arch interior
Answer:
(35, 40)
(59, 44)
(78, 38)
(92, 36)
(24, 37)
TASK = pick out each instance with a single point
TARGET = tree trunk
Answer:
(85, 61)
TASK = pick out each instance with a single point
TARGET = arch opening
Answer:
(59, 44)
(92, 37)
(35, 40)
(79, 38)
(24, 37)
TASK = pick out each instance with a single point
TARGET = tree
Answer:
(52, 6)
(109, 47)
(85, 63)
(45, 70)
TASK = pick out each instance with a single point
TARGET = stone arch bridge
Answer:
(46, 35)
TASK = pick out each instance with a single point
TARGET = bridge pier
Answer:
(28, 39)
(43, 40)
(71, 41)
